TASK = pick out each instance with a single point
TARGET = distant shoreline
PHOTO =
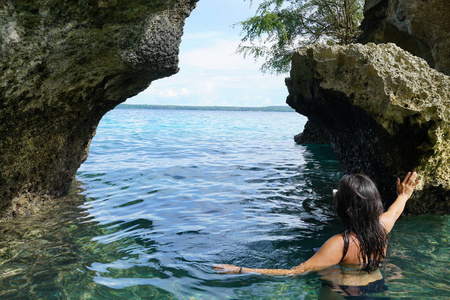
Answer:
(222, 108)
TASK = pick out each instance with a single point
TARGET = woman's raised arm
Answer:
(405, 189)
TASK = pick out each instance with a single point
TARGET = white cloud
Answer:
(212, 73)
(162, 91)
(267, 102)
(184, 92)
(205, 88)
(168, 93)
(219, 55)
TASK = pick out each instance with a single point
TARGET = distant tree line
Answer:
(223, 108)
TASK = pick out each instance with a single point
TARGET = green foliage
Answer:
(280, 27)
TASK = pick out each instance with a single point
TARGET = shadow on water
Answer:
(50, 254)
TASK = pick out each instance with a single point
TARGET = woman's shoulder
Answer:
(336, 242)
(337, 239)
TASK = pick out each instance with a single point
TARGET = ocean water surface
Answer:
(165, 194)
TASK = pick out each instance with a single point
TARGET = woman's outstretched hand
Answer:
(408, 184)
(227, 269)
(405, 188)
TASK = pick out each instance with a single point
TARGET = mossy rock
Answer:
(64, 64)
(385, 111)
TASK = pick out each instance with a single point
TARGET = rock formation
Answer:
(418, 26)
(63, 66)
(385, 112)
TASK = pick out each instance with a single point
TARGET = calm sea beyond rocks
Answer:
(64, 65)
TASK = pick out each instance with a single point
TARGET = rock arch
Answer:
(63, 66)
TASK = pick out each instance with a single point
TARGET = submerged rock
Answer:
(386, 112)
(313, 133)
(63, 66)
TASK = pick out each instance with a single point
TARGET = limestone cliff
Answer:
(63, 65)
(386, 112)
(418, 26)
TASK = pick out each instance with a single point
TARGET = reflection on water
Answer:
(163, 198)
(419, 257)
(54, 255)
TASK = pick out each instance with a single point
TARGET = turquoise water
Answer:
(165, 194)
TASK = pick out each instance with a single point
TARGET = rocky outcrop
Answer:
(63, 66)
(313, 133)
(418, 26)
(386, 112)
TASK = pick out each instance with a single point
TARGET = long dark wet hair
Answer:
(358, 204)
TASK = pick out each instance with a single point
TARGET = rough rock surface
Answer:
(313, 133)
(386, 112)
(63, 66)
(418, 26)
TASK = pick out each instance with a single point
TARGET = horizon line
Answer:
(284, 108)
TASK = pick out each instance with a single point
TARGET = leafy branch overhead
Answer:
(280, 27)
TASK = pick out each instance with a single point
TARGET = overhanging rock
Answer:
(63, 66)
(386, 112)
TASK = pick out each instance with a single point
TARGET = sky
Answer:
(211, 72)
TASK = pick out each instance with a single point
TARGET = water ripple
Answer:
(165, 194)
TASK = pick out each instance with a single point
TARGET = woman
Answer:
(364, 241)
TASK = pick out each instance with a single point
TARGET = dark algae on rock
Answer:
(64, 64)
(393, 114)
(385, 111)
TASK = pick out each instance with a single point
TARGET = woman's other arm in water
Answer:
(405, 189)
(328, 255)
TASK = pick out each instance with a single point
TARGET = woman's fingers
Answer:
(226, 268)
(406, 177)
(219, 267)
(412, 178)
(399, 187)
